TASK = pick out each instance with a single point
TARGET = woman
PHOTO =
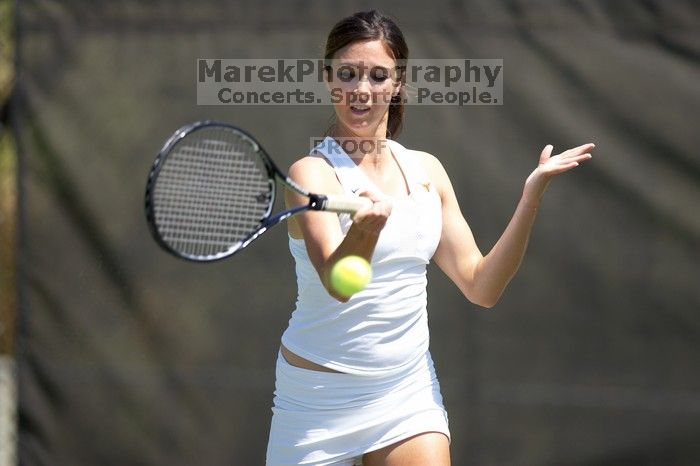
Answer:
(355, 380)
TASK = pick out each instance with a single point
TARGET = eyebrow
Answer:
(370, 66)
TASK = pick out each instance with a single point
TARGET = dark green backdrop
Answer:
(130, 357)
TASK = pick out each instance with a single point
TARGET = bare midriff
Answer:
(298, 361)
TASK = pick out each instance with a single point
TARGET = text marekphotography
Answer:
(297, 81)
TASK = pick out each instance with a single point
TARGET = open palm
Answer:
(550, 165)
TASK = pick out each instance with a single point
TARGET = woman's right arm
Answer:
(321, 231)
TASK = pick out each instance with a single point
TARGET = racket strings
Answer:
(212, 192)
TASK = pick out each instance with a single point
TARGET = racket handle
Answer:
(345, 204)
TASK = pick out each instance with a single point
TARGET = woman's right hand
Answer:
(361, 239)
(373, 218)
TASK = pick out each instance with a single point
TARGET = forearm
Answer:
(482, 279)
(497, 268)
(357, 242)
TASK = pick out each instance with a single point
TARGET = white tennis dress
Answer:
(386, 389)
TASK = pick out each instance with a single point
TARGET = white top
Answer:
(384, 327)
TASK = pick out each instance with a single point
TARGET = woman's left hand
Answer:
(551, 165)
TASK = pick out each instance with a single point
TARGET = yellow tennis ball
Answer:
(350, 275)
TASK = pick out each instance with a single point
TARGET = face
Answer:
(362, 81)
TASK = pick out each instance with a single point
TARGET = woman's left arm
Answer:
(482, 279)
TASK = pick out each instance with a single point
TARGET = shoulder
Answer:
(425, 160)
(314, 173)
(428, 161)
(310, 165)
(433, 168)
(431, 164)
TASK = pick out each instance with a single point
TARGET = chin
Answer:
(360, 127)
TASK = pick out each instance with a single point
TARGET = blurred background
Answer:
(123, 355)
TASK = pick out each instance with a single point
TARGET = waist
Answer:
(295, 360)
(367, 334)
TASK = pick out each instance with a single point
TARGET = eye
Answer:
(379, 74)
(345, 73)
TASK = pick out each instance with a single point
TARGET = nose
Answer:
(363, 89)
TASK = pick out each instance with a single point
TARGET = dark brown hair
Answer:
(372, 25)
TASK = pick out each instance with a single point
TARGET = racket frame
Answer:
(316, 202)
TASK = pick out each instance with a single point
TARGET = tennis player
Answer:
(355, 382)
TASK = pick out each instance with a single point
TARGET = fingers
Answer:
(575, 158)
(576, 151)
(572, 158)
(546, 153)
(569, 163)
(581, 157)
(373, 196)
(381, 204)
(574, 161)
(374, 217)
(565, 161)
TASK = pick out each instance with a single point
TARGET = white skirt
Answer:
(331, 418)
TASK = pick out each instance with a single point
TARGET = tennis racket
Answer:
(211, 190)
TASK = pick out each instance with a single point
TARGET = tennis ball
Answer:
(350, 275)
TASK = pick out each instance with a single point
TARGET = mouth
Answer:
(359, 109)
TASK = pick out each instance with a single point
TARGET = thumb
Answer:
(546, 153)
(372, 195)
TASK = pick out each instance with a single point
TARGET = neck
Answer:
(366, 148)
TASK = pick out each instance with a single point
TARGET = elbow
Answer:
(331, 291)
(488, 304)
(483, 294)
(334, 294)
(477, 290)
(485, 300)
(340, 298)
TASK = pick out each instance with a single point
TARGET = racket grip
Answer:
(345, 204)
